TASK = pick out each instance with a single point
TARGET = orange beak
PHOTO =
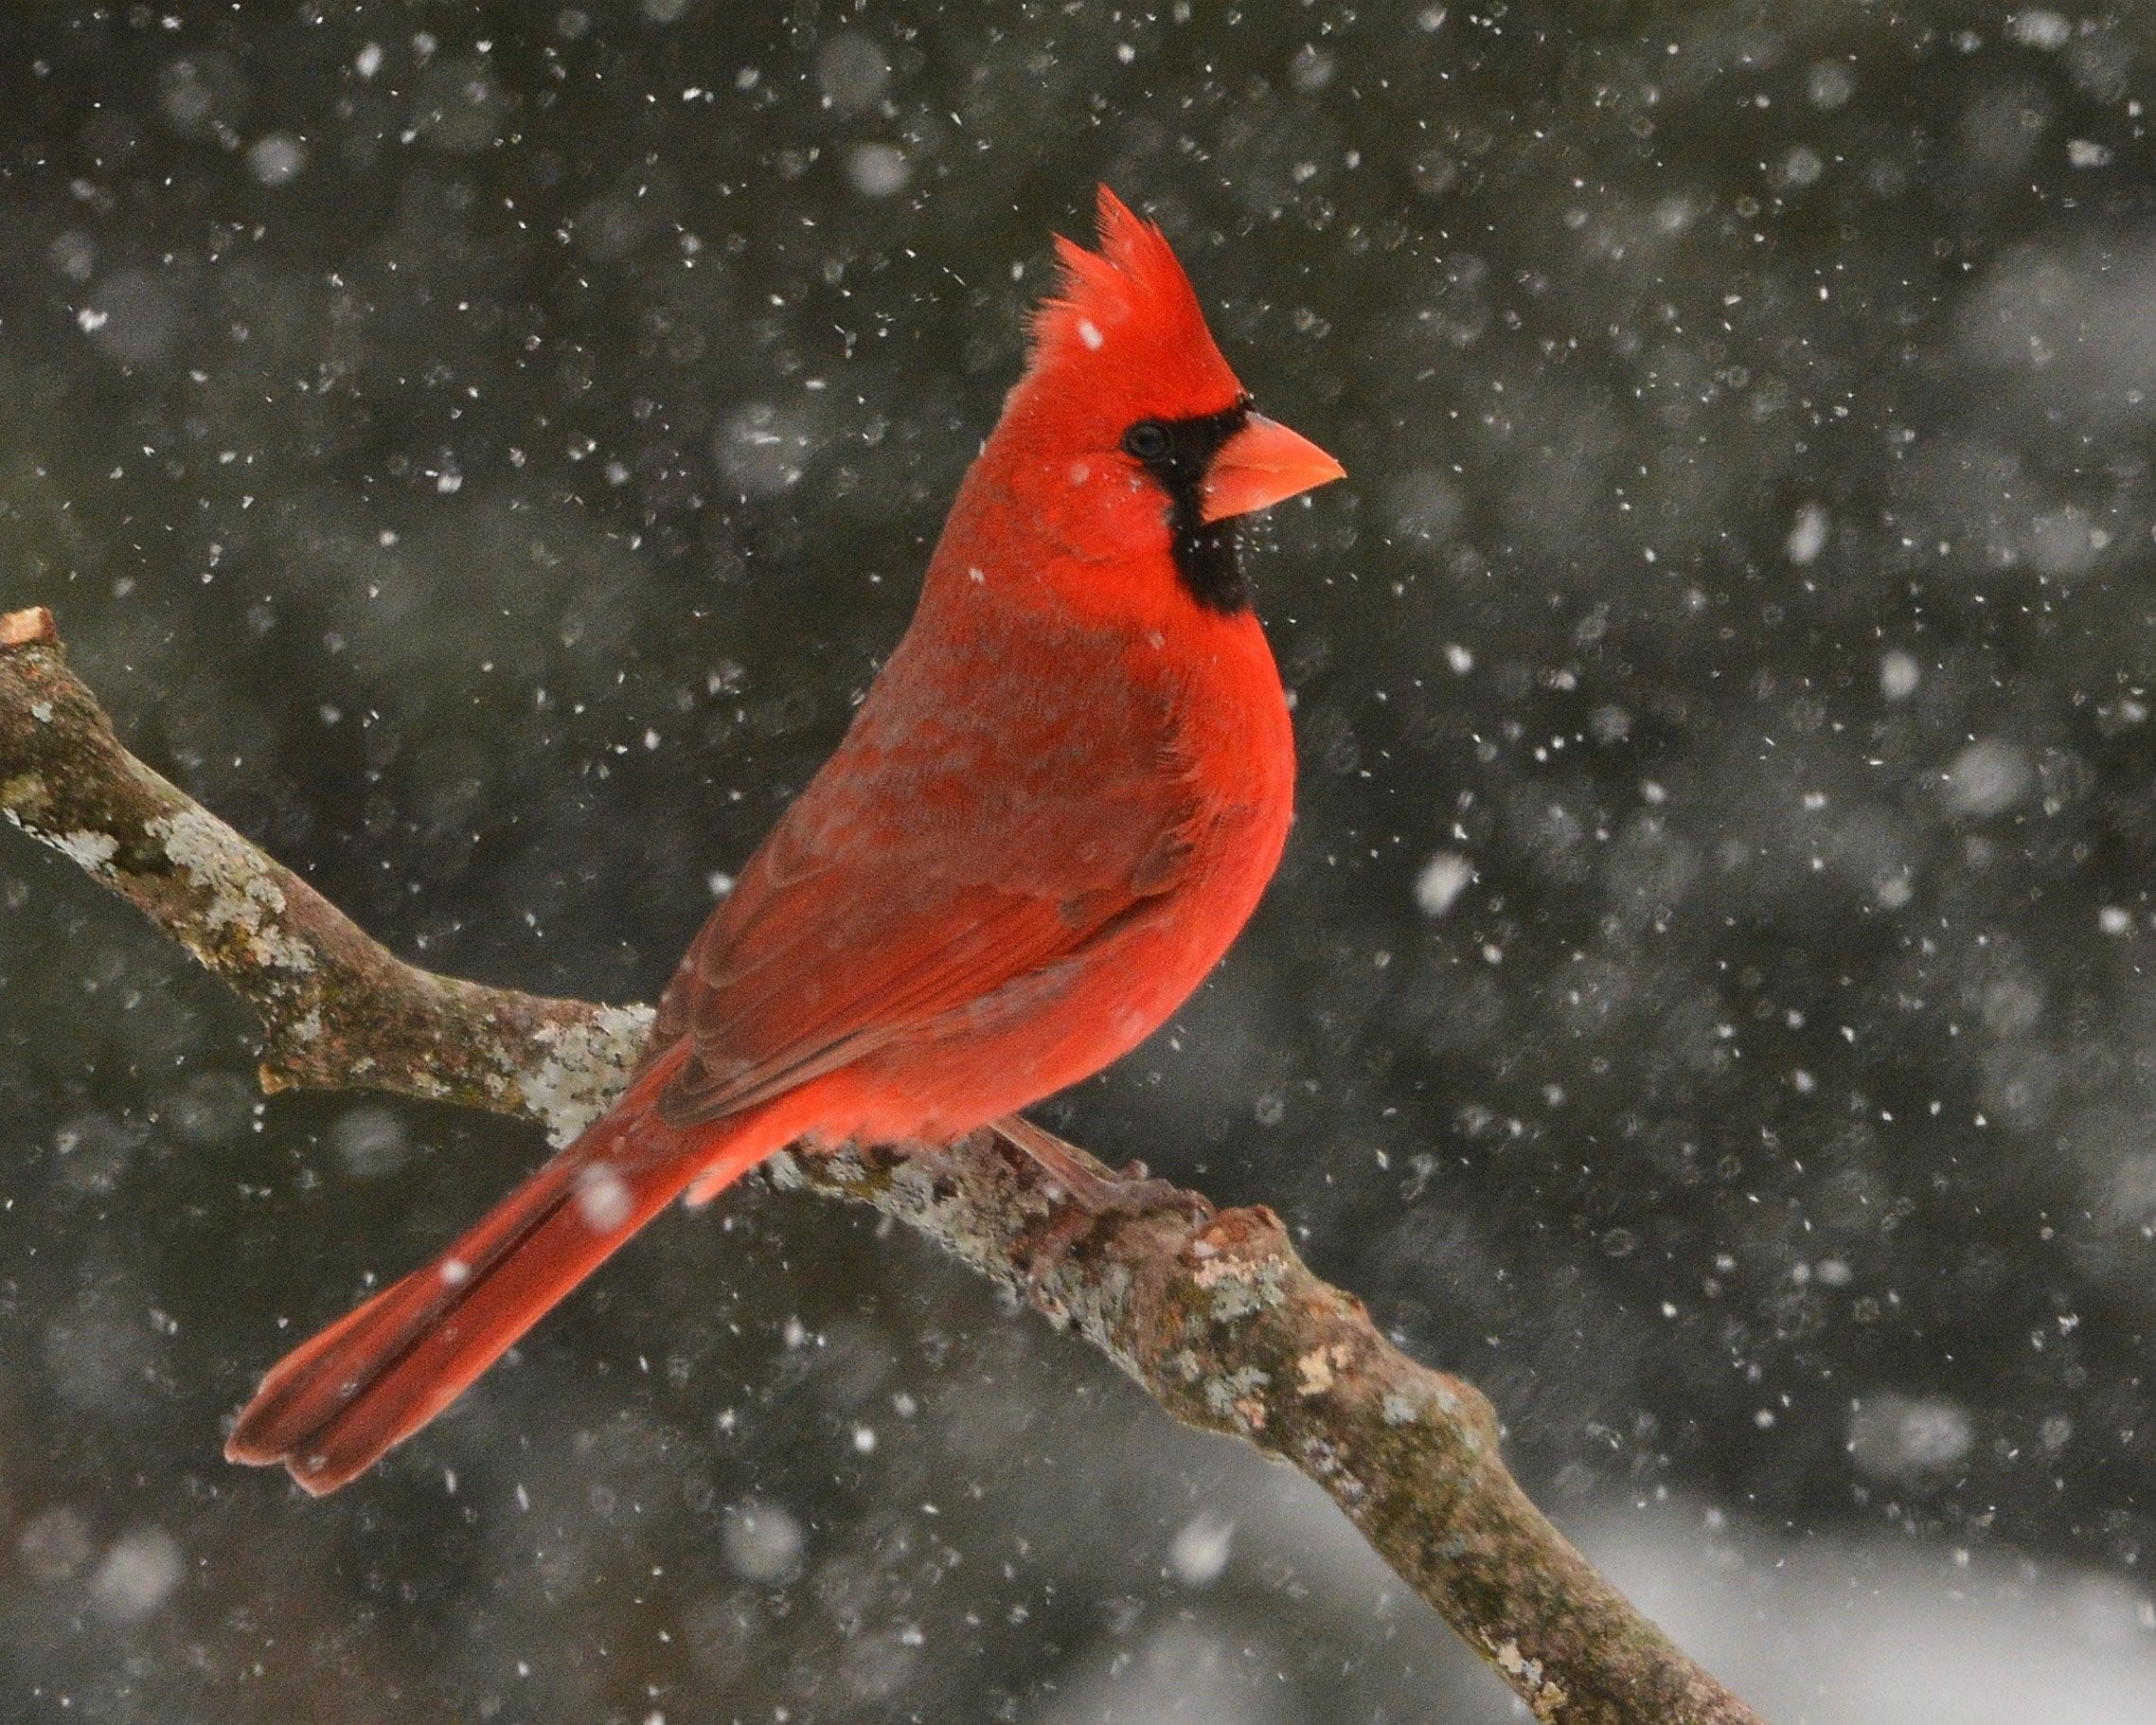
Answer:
(1263, 464)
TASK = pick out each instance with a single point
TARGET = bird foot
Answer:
(1093, 1193)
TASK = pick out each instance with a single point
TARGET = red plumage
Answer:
(1053, 812)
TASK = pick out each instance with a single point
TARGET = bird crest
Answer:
(1129, 304)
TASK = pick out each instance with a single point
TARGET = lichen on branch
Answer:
(337, 1007)
(1212, 1312)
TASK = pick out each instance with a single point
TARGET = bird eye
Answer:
(1147, 440)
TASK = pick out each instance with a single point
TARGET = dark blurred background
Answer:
(482, 451)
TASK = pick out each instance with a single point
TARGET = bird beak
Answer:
(1263, 464)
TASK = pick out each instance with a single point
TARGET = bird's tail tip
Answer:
(335, 1405)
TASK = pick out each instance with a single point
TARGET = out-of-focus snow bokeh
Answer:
(484, 450)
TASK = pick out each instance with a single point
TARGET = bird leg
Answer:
(1093, 1191)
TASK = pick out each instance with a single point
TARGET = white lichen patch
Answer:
(243, 898)
(582, 1068)
(966, 1203)
(1098, 1307)
(1544, 1695)
(92, 851)
(846, 1161)
(912, 1179)
(1399, 1410)
(1454, 1409)
(1237, 1395)
(1325, 1462)
(1239, 1288)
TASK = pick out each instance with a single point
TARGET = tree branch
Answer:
(1213, 1313)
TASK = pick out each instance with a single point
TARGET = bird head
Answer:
(1128, 435)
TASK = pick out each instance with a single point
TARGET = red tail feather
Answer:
(334, 1405)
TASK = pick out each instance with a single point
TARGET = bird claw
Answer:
(1130, 1194)
(1138, 1193)
(1091, 1194)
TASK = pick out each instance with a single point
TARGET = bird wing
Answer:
(993, 809)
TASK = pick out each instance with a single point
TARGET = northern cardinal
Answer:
(1056, 807)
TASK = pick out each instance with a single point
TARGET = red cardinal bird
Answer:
(1053, 811)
